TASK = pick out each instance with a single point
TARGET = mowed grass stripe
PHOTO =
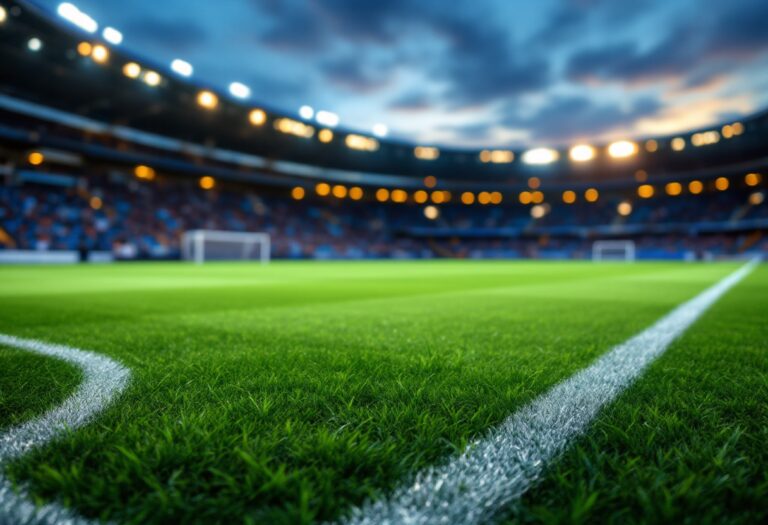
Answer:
(499, 468)
(290, 413)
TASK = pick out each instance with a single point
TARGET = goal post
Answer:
(614, 250)
(215, 245)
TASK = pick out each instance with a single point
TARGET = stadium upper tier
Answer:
(57, 72)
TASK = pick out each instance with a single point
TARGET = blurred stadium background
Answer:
(107, 155)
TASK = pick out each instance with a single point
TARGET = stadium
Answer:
(219, 310)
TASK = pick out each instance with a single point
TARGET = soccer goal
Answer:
(613, 251)
(214, 245)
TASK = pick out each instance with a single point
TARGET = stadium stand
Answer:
(113, 153)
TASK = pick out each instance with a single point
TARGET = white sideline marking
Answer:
(104, 379)
(496, 470)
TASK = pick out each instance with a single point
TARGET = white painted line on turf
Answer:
(104, 379)
(496, 470)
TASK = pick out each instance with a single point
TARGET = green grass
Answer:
(286, 394)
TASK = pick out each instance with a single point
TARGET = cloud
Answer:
(411, 101)
(737, 34)
(574, 117)
(354, 74)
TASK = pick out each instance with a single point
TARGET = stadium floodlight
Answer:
(426, 152)
(3, 14)
(152, 78)
(326, 118)
(239, 90)
(362, 143)
(380, 130)
(34, 44)
(306, 112)
(257, 117)
(132, 70)
(182, 67)
(211, 245)
(622, 149)
(207, 99)
(100, 54)
(112, 35)
(540, 156)
(582, 153)
(72, 14)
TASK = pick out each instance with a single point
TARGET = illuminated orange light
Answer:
(678, 144)
(722, 183)
(645, 191)
(399, 196)
(591, 195)
(100, 54)
(207, 182)
(420, 197)
(298, 193)
(382, 195)
(257, 117)
(651, 146)
(430, 181)
(356, 193)
(695, 187)
(207, 100)
(339, 191)
(144, 172)
(36, 158)
(674, 188)
(569, 197)
(534, 183)
(468, 197)
(325, 136)
(496, 197)
(484, 197)
(132, 70)
(323, 189)
(537, 197)
(84, 49)
(96, 203)
(438, 197)
(525, 197)
(426, 153)
(752, 179)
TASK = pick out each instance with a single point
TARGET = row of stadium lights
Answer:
(533, 196)
(208, 100)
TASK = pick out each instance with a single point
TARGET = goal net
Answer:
(213, 245)
(613, 251)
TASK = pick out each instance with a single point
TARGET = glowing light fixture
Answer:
(34, 44)
(540, 156)
(539, 211)
(468, 197)
(3, 14)
(325, 135)
(624, 208)
(757, 198)
(152, 78)
(112, 35)
(591, 195)
(430, 181)
(257, 117)
(722, 183)
(569, 197)
(207, 99)
(322, 189)
(622, 149)
(294, 127)
(144, 172)
(72, 14)
(695, 187)
(239, 90)
(651, 146)
(752, 179)
(678, 144)
(431, 213)
(100, 54)
(426, 152)
(497, 156)
(645, 191)
(35, 158)
(382, 195)
(84, 49)
(298, 193)
(355, 193)
(362, 143)
(380, 130)
(326, 118)
(534, 183)
(673, 188)
(582, 153)
(306, 112)
(207, 183)
(339, 191)
(182, 67)
(399, 196)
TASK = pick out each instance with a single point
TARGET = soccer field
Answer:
(296, 392)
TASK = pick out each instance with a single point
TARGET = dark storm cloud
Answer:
(739, 33)
(177, 34)
(566, 118)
